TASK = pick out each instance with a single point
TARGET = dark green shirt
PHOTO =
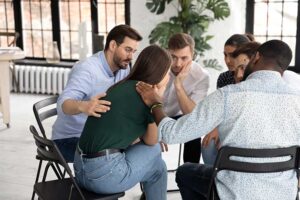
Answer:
(126, 120)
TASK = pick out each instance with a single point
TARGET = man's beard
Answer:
(118, 61)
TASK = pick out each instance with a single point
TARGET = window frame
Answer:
(250, 29)
(56, 23)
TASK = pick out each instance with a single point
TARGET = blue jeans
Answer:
(193, 180)
(67, 147)
(119, 172)
(209, 153)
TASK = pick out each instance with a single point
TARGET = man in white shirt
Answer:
(292, 79)
(188, 85)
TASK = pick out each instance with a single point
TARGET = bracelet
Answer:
(155, 105)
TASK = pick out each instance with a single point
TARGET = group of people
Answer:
(112, 118)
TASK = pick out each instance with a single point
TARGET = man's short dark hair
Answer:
(180, 41)
(118, 33)
(276, 51)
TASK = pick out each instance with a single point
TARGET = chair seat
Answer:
(60, 189)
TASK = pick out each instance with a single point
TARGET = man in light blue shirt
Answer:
(260, 112)
(88, 81)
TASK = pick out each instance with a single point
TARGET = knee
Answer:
(182, 174)
(162, 166)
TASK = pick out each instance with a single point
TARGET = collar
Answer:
(264, 74)
(105, 64)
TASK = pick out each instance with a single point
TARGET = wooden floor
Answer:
(17, 154)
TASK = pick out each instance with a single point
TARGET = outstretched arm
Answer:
(91, 108)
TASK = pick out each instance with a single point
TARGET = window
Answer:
(71, 23)
(6, 24)
(276, 19)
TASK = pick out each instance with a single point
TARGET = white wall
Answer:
(144, 21)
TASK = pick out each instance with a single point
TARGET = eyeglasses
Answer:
(127, 49)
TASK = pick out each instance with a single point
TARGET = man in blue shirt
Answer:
(261, 112)
(88, 81)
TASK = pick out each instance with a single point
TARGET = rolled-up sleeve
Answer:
(79, 84)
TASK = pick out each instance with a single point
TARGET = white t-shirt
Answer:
(196, 85)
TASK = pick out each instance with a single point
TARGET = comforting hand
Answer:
(213, 135)
(150, 94)
(95, 106)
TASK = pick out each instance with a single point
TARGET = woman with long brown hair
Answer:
(105, 160)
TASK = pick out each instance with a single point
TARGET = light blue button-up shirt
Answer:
(261, 112)
(88, 78)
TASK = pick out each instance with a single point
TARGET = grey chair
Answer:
(224, 162)
(62, 188)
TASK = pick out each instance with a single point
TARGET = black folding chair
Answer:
(61, 188)
(41, 113)
(225, 162)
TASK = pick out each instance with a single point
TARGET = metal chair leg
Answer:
(174, 170)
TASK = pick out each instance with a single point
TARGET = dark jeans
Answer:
(193, 180)
(67, 147)
(192, 149)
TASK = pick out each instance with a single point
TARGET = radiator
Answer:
(40, 80)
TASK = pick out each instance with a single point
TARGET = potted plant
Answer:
(193, 17)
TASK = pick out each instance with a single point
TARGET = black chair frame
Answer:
(62, 188)
(224, 162)
(40, 116)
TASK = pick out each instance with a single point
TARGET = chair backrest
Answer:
(224, 161)
(41, 112)
(48, 150)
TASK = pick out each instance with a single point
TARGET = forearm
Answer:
(185, 102)
(158, 115)
(151, 135)
(73, 107)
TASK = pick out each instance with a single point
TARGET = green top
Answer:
(126, 120)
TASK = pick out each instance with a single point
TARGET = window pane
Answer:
(291, 41)
(275, 19)
(27, 39)
(260, 19)
(47, 38)
(10, 16)
(290, 19)
(37, 44)
(37, 26)
(7, 24)
(75, 15)
(65, 44)
(110, 14)
(260, 39)
(280, 18)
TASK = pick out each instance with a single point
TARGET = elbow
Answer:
(150, 142)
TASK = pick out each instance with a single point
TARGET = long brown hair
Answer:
(151, 66)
